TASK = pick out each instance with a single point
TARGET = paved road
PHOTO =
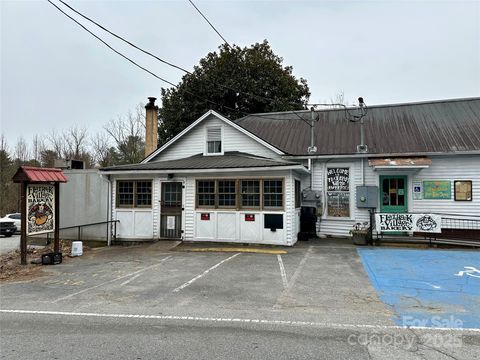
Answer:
(90, 337)
(9, 243)
(145, 302)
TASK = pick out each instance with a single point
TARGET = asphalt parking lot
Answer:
(315, 295)
(320, 283)
(9, 243)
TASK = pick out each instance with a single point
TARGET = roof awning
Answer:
(400, 163)
(39, 175)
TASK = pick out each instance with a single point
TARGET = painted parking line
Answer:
(113, 280)
(130, 280)
(426, 286)
(329, 325)
(286, 292)
(282, 271)
(188, 283)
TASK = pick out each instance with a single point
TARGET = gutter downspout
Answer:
(109, 203)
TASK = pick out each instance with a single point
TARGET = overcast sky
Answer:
(55, 75)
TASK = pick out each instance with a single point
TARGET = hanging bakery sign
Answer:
(40, 208)
(431, 223)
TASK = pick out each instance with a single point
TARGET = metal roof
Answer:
(229, 160)
(445, 126)
(35, 174)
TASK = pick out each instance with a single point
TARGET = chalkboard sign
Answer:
(438, 190)
(338, 204)
(338, 179)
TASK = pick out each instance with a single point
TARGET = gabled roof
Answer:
(39, 175)
(447, 126)
(230, 160)
(198, 121)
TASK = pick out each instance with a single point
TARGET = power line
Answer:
(123, 39)
(158, 58)
(135, 63)
(209, 23)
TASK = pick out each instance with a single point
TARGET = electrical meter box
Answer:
(367, 196)
(313, 198)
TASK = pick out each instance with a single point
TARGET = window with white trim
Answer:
(338, 192)
(214, 140)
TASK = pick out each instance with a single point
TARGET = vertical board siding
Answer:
(193, 142)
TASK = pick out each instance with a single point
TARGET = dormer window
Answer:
(214, 140)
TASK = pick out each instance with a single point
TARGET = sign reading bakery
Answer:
(431, 223)
(40, 208)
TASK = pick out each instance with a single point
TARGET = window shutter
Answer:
(214, 134)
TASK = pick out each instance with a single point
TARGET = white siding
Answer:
(238, 229)
(449, 168)
(193, 142)
(328, 225)
(137, 223)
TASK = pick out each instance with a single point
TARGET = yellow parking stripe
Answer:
(233, 249)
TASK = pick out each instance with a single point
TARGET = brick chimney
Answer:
(151, 126)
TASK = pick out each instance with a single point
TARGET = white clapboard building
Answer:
(244, 181)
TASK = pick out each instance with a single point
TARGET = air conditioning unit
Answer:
(362, 149)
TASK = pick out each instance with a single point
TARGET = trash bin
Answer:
(308, 222)
(53, 258)
(77, 248)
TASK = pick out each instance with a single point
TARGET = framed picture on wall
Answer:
(463, 190)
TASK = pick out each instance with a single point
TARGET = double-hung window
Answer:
(227, 195)
(214, 140)
(272, 193)
(250, 190)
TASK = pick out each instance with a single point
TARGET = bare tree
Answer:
(4, 144)
(38, 146)
(76, 142)
(57, 141)
(129, 135)
(104, 152)
(21, 152)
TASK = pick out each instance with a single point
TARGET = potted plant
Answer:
(360, 233)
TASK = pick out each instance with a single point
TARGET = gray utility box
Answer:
(313, 198)
(367, 196)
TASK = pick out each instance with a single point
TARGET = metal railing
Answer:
(80, 227)
(457, 229)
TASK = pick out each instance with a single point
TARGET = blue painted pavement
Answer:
(434, 288)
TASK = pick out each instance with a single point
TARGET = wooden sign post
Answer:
(40, 199)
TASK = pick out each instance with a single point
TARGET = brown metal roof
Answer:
(446, 126)
(35, 174)
(229, 160)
